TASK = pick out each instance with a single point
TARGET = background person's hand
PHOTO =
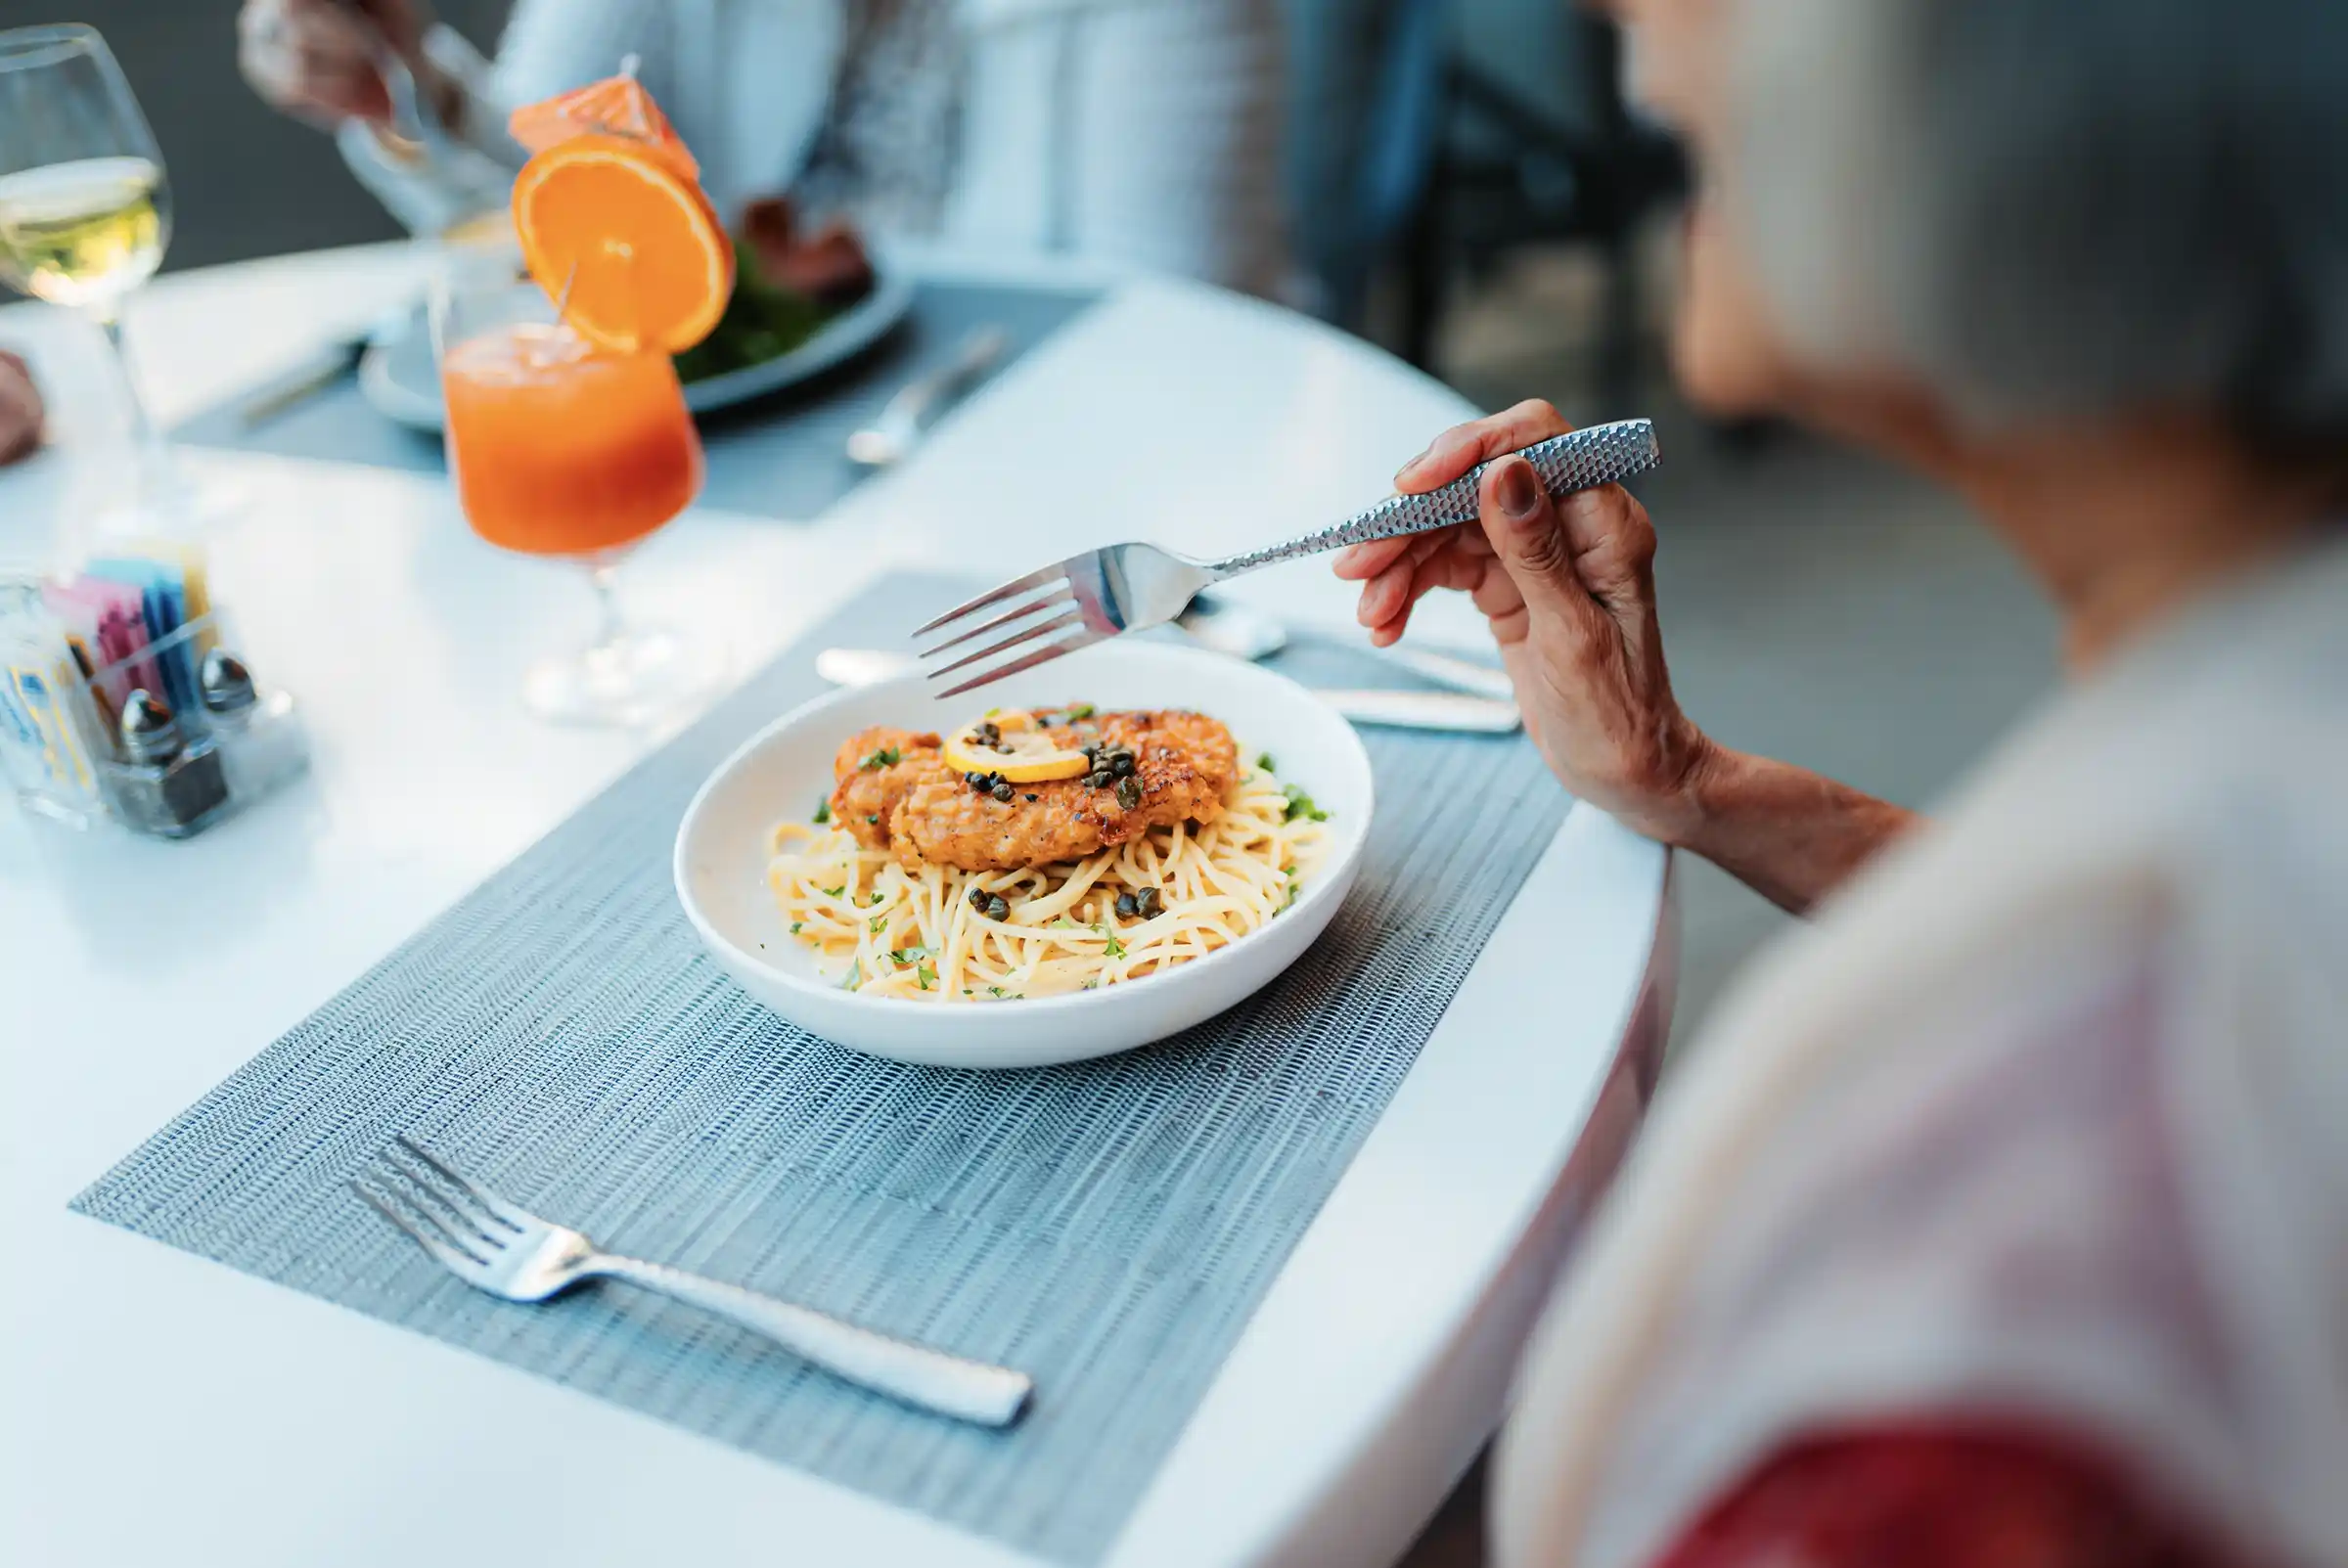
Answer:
(318, 57)
(1569, 590)
(20, 410)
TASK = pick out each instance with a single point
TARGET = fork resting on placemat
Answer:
(1105, 593)
(497, 1246)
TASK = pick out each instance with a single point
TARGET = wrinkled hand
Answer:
(1568, 586)
(21, 411)
(317, 58)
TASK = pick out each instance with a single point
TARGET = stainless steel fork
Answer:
(495, 1247)
(1103, 593)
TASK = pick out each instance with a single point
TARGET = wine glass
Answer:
(565, 450)
(85, 208)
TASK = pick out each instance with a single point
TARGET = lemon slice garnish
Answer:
(1011, 745)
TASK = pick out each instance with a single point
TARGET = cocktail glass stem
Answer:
(610, 627)
(630, 674)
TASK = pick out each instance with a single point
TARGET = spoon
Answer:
(1454, 711)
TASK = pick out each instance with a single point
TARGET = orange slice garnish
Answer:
(630, 250)
(616, 106)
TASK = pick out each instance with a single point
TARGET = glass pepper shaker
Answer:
(166, 783)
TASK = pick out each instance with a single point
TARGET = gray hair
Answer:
(2060, 208)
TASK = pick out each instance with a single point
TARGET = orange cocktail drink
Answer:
(562, 448)
(567, 431)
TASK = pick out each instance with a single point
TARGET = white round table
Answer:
(162, 1409)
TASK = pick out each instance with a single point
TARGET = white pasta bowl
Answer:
(782, 772)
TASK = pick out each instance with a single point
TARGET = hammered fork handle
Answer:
(972, 1391)
(1578, 459)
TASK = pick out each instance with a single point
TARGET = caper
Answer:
(1102, 781)
(998, 908)
(979, 899)
(1129, 794)
(974, 780)
(1127, 909)
(1148, 902)
(1123, 766)
(1004, 792)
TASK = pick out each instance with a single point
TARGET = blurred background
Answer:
(1465, 187)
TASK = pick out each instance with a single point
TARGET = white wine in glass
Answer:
(85, 212)
(85, 233)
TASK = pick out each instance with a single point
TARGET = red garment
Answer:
(1944, 1498)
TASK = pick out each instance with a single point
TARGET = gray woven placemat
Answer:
(1108, 1227)
(782, 456)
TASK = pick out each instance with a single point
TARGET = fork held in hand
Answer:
(494, 1247)
(1103, 593)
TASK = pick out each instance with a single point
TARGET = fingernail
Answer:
(1518, 492)
(1404, 471)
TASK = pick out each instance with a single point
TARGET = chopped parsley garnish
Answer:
(1302, 804)
(832, 892)
(1080, 711)
(1117, 949)
(1265, 762)
(795, 927)
(822, 812)
(873, 762)
(875, 923)
(1064, 923)
(855, 977)
(907, 955)
(926, 975)
(994, 990)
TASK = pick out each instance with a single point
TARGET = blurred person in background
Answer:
(1141, 131)
(2000, 1218)
(20, 410)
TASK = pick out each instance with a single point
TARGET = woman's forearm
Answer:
(1790, 835)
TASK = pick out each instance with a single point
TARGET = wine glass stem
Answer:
(154, 462)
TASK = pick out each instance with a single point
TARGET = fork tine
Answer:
(1034, 579)
(506, 1214)
(1065, 594)
(422, 1230)
(1041, 629)
(1042, 656)
(484, 1230)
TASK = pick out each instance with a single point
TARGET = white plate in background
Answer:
(398, 378)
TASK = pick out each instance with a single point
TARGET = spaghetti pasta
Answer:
(918, 933)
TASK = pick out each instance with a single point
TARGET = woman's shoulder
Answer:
(2039, 1111)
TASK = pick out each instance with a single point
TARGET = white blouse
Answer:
(1144, 131)
(2046, 1117)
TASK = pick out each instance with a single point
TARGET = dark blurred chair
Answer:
(1414, 154)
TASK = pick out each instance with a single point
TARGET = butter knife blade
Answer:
(1453, 711)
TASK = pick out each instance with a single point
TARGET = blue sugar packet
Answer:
(163, 602)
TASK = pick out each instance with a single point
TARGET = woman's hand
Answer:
(1569, 588)
(318, 57)
(21, 411)
(1570, 591)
